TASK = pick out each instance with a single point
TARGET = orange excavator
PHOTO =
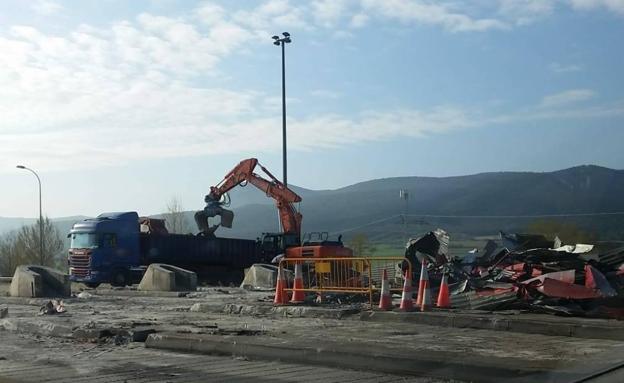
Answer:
(288, 242)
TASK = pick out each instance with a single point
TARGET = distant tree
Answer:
(568, 232)
(361, 246)
(176, 221)
(9, 257)
(22, 247)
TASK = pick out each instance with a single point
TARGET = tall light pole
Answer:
(283, 41)
(40, 214)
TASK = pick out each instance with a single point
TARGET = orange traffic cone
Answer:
(444, 298)
(426, 293)
(421, 283)
(298, 295)
(407, 298)
(385, 301)
(280, 294)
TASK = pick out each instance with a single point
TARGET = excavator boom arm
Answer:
(283, 196)
(239, 174)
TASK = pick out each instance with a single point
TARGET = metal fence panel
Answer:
(354, 275)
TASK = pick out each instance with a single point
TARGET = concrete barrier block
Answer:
(39, 281)
(261, 276)
(162, 277)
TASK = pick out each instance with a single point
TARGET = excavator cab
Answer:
(277, 243)
(318, 245)
(315, 245)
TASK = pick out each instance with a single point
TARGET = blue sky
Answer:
(122, 105)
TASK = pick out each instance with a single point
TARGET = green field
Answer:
(456, 248)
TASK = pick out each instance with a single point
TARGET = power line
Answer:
(366, 224)
(482, 217)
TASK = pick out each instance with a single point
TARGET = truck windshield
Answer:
(83, 241)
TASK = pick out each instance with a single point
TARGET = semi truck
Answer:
(116, 248)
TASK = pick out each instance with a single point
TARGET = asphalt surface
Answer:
(25, 358)
(244, 329)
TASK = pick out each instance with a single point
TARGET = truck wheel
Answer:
(92, 285)
(119, 279)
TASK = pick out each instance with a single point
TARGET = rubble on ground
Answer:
(527, 272)
(55, 306)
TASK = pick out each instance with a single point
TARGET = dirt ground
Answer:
(26, 358)
(104, 323)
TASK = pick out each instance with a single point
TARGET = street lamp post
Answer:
(40, 213)
(283, 41)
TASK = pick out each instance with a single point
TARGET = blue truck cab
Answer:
(116, 248)
(104, 249)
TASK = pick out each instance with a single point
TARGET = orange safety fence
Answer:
(352, 275)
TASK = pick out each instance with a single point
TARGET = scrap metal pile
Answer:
(527, 272)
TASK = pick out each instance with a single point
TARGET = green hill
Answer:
(375, 209)
(578, 190)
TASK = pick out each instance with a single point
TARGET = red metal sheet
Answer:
(491, 292)
(566, 276)
(559, 289)
(594, 279)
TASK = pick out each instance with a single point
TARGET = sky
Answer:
(124, 105)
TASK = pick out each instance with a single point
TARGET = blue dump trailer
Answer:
(116, 248)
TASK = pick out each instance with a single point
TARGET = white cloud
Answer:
(524, 12)
(137, 89)
(342, 35)
(45, 7)
(611, 5)
(119, 140)
(91, 95)
(210, 13)
(564, 68)
(273, 13)
(437, 13)
(328, 12)
(451, 15)
(98, 97)
(330, 131)
(101, 96)
(359, 20)
(567, 97)
(470, 16)
(557, 112)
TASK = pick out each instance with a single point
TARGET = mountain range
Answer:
(501, 200)
(375, 208)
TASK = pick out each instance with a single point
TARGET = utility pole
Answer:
(283, 41)
(40, 213)
(404, 195)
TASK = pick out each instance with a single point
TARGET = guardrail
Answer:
(352, 275)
